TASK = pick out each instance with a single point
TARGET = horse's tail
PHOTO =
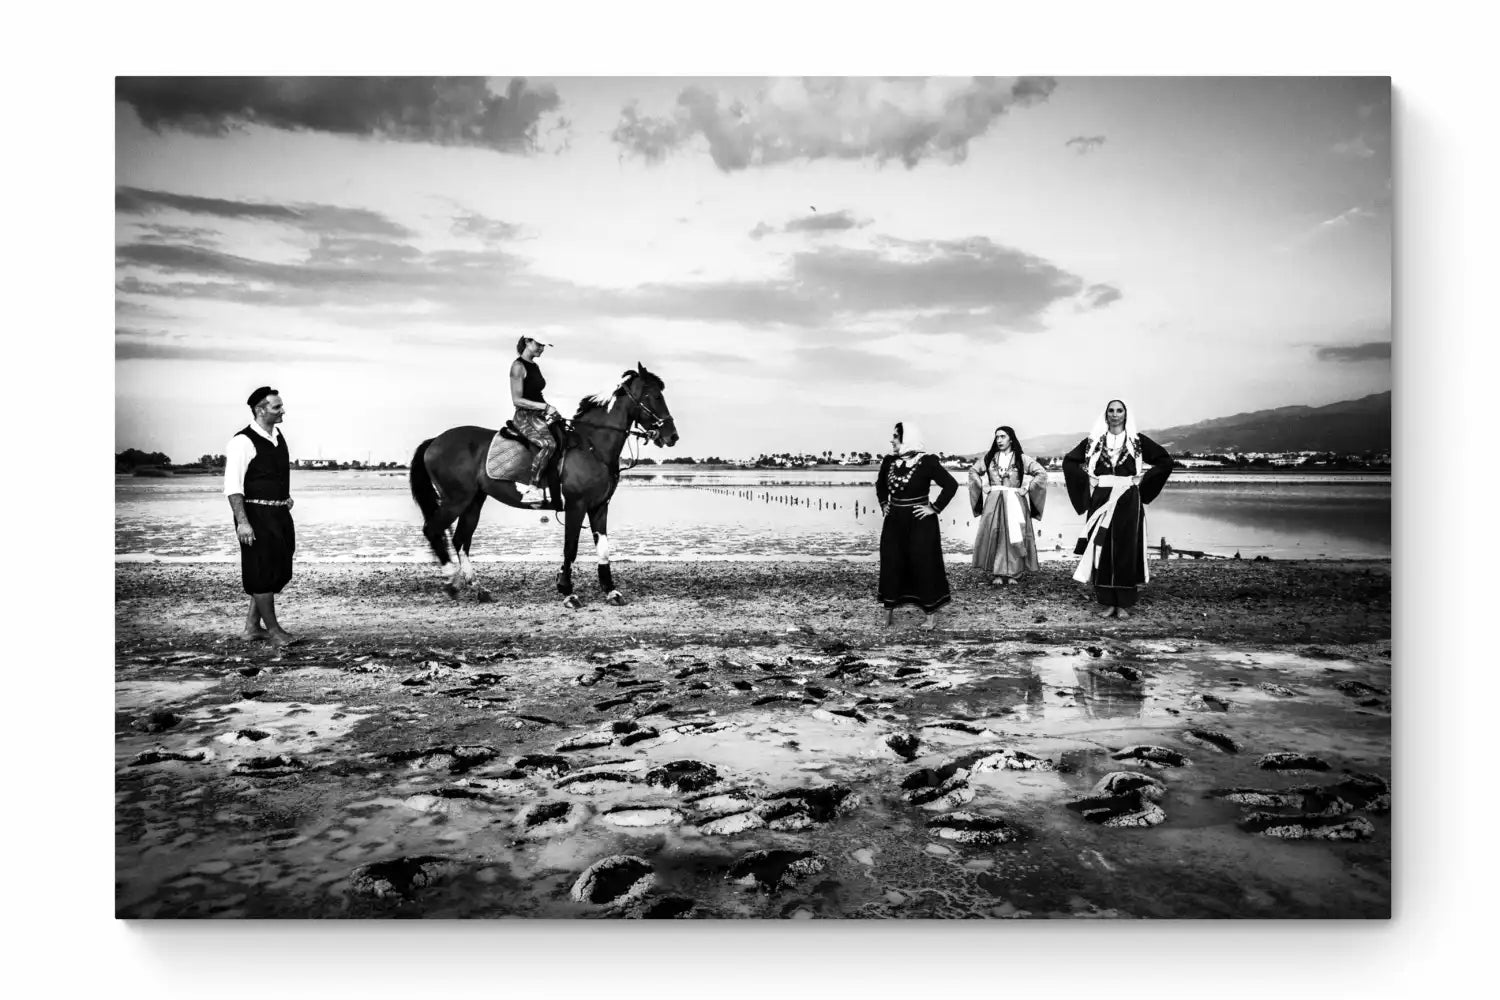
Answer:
(425, 494)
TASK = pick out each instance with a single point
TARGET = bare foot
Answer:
(929, 623)
(255, 635)
(1122, 613)
(281, 637)
(890, 616)
(1108, 612)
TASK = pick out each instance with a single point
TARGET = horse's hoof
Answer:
(450, 590)
(615, 598)
(484, 596)
(572, 601)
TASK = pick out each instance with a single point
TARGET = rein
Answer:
(629, 430)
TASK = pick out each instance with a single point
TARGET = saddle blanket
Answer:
(509, 459)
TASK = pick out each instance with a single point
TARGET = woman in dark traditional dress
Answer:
(1111, 476)
(1007, 490)
(911, 548)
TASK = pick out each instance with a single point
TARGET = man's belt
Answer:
(270, 503)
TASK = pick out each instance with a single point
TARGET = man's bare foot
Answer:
(929, 623)
(281, 637)
(1108, 612)
(255, 635)
(890, 616)
(1122, 613)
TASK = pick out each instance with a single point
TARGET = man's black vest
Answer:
(269, 474)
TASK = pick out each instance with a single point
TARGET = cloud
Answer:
(849, 119)
(1376, 350)
(316, 217)
(1083, 144)
(136, 344)
(1004, 286)
(443, 111)
(488, 230)
(1099, 296)
(968, 287)
(825, 222)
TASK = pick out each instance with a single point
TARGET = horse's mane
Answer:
(603, 400)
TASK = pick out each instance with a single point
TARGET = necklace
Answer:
(901, 472)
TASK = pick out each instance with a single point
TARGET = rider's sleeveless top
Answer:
(534, 383)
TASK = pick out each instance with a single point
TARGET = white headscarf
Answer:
(912, 438)
(1101, 428)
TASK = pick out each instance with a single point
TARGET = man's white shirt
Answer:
(238, 454)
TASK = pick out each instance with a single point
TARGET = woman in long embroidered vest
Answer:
(533, 412)
(1112, 474)
(911, 547)
(1007, 492)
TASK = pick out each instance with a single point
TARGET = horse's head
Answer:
(649, 406)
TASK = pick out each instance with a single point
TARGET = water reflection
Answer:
(1109, 692)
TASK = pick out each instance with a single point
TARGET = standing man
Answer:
(257, 481)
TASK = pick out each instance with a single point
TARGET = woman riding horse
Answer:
(449, 481)
(534, 415)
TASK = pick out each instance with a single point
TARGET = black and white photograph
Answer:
(753, 498)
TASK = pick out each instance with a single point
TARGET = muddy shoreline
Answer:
(1224, 601)
(744, 741)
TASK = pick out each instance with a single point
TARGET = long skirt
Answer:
(911, 561)
(1118, 552)
(266, 566)
(1005, 545)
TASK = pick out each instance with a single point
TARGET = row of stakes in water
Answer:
(796, 501)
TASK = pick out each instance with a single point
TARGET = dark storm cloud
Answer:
(848, 119)
(443, 111)
(1085, 143)
(316, 217)
(1379, 350)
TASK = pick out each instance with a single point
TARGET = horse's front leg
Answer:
(599, 525)
(572, 525)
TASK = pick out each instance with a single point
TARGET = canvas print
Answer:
(738, 498)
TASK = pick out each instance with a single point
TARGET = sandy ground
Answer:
(1225, 601)
(745, 740)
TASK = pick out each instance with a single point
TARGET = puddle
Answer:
(694, 789)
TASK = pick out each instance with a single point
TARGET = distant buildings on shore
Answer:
(136, 462)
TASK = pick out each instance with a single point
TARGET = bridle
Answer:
(645, 434)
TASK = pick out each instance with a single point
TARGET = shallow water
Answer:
(365, 516)
(195, 839)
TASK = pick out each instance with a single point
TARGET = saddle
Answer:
(510, 455)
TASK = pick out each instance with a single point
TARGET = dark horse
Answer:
(449, 482)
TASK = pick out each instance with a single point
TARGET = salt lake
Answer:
(685, 514)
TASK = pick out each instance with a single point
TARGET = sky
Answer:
(802, 261)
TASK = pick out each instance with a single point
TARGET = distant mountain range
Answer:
(1355, 425)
